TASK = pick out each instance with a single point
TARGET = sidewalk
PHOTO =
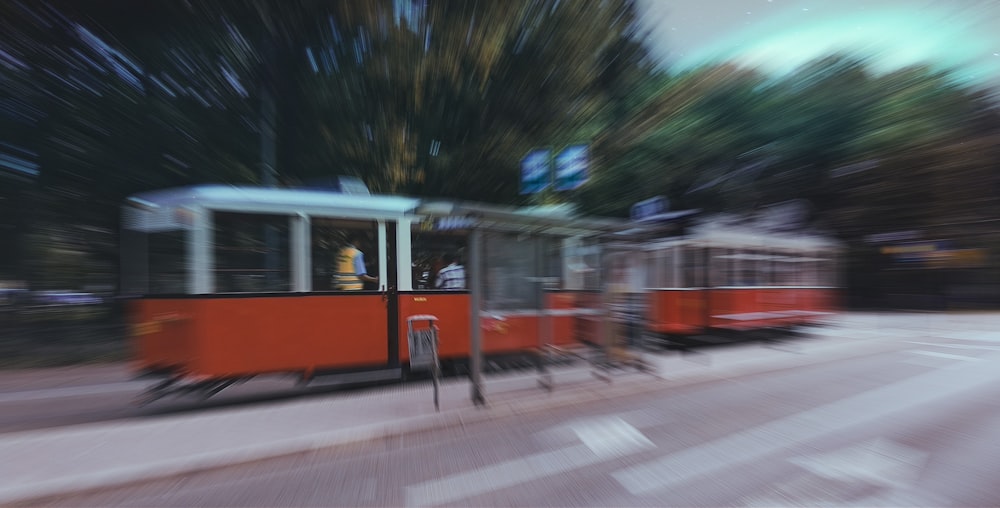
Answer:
(64, 460)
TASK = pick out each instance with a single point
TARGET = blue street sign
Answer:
(536, 171)
(650, 207)
(571, 167)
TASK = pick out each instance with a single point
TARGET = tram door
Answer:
(389, 273)
(422, 289)
(358, 317)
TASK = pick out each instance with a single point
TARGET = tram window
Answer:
(748, 269)
(765, 262)
(669, 264)
(329, 238)
(154, 263)
(808, 272)
(509, 280)
(663, 267)
(802, 269)
(735, 264)
(824, 273)
(167, 262)
(134, 262)
(430, 250)
(591, 260)
(721, 267)
(553, 263)
(785, 268)
(651, 261)
(694, 267)
(251, 253)
(581, 261)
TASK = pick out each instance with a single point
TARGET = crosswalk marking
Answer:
(753, 444)
(507, 474)
(612, 438)
(949, 356)
(955, 346)
(603, 439)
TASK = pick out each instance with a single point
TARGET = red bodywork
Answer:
(237, 336)
(696, 310)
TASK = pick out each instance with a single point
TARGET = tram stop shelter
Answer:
(538, 280)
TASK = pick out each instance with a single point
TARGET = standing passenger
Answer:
(351, 270)
(451, 276)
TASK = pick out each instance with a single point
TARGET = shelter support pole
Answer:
(475, 333)
(608, 328)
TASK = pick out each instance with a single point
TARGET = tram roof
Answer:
(246, 199)
(718, 231)
(276, 200)
(724, 235)
(555, 220)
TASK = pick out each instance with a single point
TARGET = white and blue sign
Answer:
(650, 207)
(453, 223)
(571, 168)
(536, 171)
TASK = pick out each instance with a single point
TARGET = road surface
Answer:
(914, 426)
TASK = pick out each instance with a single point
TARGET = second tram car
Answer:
(716, 275)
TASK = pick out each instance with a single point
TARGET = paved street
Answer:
(914, 426)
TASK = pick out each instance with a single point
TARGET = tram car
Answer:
(720, 278)
(226, 283)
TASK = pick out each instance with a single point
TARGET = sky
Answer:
(779, 35)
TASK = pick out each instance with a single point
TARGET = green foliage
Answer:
(872, 153)
(428, 98)
(444, 98)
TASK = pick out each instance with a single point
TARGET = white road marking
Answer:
(980, 336)
(72, 391)
(955, 346)
(879, 461)
(565, 434)
(759, 442)
(603, 439)
(926, 362)
(891, 466)
(612, 438)
(949, 356)
(507, 474)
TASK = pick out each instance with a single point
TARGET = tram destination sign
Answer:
(446, 223)
(650, 207)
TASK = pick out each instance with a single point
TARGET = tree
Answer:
(439, 98)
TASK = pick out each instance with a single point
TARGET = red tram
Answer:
(226, 283)
(719, 275)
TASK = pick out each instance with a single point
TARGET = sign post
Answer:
(476, 303)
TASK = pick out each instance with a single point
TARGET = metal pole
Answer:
(545, 324)
(476, 297)
(546, 321)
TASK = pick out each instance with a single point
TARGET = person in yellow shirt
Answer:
(351, 272)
